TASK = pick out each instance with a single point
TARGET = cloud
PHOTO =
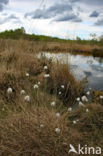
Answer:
(89, 2)
(8, 18)
(3, 3)
(59, 12)
(99, 22)
(94, 14)
(69, 17)
(12, 16)
(50, 12)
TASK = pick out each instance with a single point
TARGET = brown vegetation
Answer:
(28, 128)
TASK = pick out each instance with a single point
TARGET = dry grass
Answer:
(21, 134)
(20, 131)
(37, 46)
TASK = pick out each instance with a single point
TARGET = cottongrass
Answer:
(45, 67)
(69, 109)
(78, 99)
(81, 104)
(39, 83)
(60, 93)
(9, 90)
(74, 121)
(27, 74)
(62, 86)
(46, 76)
(101, 97)
(41, 126)
(53, 103)
(57, 115)
(88, 93)
(84, 99)
(27, 98)
(22, 92)
(77, 120)
(57, 130)
(87, 110)
(36, 86)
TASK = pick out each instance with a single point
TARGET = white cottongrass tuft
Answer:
(9, 90)
(46, 75)
(78, 99)
(53, 103)
(36, 86)
(27, 98)
(45, 67)
(74, 122)
(41, 126)
(101, 97)
(77, 120)
(81, 104)
(27, 74)
(57, 130)
(84, 99)
(88, 93)
(22, 92)
(87, 110)
(69, 109)
(60, 93)
(39, 83)
(62, 86)
(57, 115)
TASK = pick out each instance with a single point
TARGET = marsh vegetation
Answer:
(37, 99)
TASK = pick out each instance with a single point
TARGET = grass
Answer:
(28, 128)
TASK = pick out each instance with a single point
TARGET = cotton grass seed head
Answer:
(57, 115)
(60, 93)
(84, 99)
(45, 67)
(78, 99)
(41, 126)
(46, 76)
(81, 104)
(36, 86)
(88, 93)
(39, 83)
(87, 110)
(27, 98)
(27, 74)
(57, 130)
(22, 92)
(62, 86)
(53, 103)
(69, 109)
(9, 90)
(74, 122)
(101, 97)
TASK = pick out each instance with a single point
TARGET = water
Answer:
(82, 67)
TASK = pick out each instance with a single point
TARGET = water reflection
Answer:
(82, 66)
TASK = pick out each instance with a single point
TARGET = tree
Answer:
(93, 36)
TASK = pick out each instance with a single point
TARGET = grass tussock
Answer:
(21, 134)
(42, 126)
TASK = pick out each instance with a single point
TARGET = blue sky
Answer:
(60, 18)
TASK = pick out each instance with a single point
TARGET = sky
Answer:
(57, 18)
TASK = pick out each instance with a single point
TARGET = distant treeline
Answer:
(21, 34)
